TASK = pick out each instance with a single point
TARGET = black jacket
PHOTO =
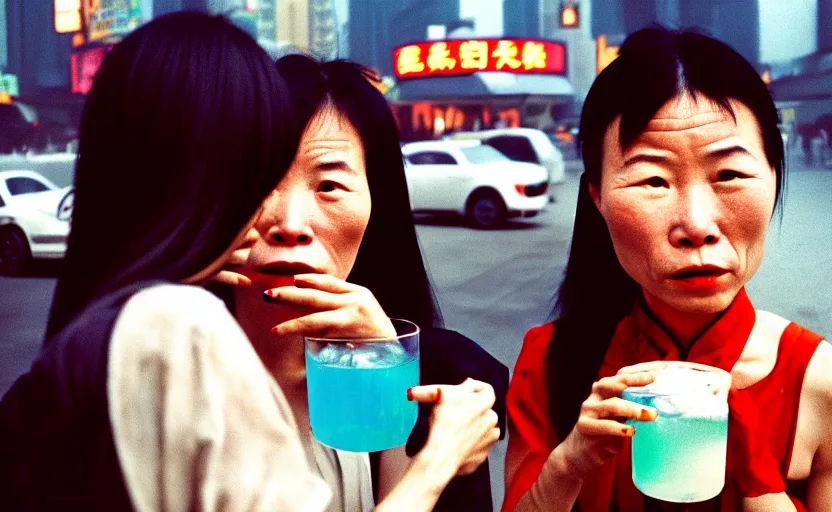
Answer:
(447, 357)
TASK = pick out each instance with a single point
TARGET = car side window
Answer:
(20, 186)
(514, 147)
(431, 158)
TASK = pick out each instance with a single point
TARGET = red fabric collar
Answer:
(641, 337)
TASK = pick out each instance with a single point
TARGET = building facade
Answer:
(376, 27)
(736, 22)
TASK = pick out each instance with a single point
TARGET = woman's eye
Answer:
(327, 186)
(655, 181)
(728, 175)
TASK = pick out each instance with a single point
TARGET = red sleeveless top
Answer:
(759, 448)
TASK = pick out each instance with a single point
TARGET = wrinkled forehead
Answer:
(694, 121)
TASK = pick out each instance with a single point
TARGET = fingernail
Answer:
(647, 415)
(628, 431)
(410, 394)
(275, 330)
(268, 296)
(438, 394)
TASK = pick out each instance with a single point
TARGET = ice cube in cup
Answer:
(358, 389)
(680, 457)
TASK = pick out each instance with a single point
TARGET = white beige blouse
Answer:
(198, 422)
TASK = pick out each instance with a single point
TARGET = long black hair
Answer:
(655, 65)
(185, 131)
(389, 261)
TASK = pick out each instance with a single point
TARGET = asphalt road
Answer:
(494, 285)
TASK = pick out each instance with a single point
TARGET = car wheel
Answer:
(14, 252)
(486, 210)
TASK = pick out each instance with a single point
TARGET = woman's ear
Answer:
(595, 194)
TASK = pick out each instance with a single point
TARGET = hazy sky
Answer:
(788, 29)
(487, 14)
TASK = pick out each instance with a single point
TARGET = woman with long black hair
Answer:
(683, 168)
(339, 231)
(147, 394)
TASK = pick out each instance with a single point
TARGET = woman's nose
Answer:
(696, 224)
(288, 222)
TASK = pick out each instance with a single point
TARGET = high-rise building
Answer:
(37, 55)
(521, 18)
(580, 45)
(825, 24)
(376, 27)
(736, 22)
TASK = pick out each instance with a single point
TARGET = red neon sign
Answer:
(466, 56)
(84, 66)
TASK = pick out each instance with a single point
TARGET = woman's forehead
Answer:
(695, 121)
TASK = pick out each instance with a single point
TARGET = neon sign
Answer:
(463, 57)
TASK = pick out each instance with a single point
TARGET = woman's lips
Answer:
(701, 278)
(280, 273)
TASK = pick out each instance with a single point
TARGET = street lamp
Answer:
(569, 16)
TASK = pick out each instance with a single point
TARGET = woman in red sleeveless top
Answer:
(683, 169)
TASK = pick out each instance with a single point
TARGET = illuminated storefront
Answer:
(472, 84)
(105, 22)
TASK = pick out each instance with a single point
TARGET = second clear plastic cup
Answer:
(358, 389)
(680, 457)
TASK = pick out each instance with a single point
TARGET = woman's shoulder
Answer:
(172, 308)
(535, 347)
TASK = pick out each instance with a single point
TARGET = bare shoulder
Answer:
(818, 382)
(770, 326)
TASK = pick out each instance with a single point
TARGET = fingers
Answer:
(609, 387)
(621, 409)
(425, 394)
(325, 283)
(238, 257)
(591, 427)
(652, 366)
(231, 278)
(306, 297)
(322, 324)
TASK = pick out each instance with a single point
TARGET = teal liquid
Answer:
(679, 458)
(361, 409)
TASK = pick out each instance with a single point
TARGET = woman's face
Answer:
(689, 203)
(315, 219)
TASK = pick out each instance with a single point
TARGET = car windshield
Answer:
(483, 154)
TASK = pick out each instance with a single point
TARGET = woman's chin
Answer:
(697, 303)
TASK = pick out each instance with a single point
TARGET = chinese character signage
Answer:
(107, 18)
(462, 57)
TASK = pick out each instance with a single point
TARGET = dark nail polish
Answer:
(267, 297)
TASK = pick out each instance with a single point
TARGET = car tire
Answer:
(14, 252)
(486, 210)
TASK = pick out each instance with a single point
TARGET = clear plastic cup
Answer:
(358, 389)
(680, 457)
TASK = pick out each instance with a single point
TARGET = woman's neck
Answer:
(685, 328)
(283, 357)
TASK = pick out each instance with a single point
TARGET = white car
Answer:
(30, 226)
(524, 145)
(474, 180)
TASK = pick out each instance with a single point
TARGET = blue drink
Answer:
(358, 393)
(680, 457)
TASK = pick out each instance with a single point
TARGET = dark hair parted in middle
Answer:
(185, 131)
(655, 65)
(389, 261)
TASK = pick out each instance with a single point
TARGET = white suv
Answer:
(524, 145)
(474, 180)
